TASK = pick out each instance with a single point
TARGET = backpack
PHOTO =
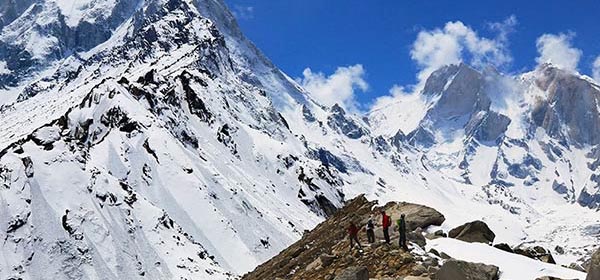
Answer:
(370, 224)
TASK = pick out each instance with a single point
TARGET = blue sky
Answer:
(380, 36)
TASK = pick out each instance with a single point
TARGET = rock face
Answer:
(461, 270)
(476, 231)
(417, 216)
(353, 273)
(568, 97)
(594, 268)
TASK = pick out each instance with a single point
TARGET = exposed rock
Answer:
(437, 234)
(577, 267)
(339, 121)
(416, 237)
(461, 270)
(353, 273)
(443, 255)
(324, 252)
(559, 249)
(440, 233)
(504, 247)
(594, 268)
(487, 126)
(476, 231)
(416, 215)
(537, 253)
(418, 270)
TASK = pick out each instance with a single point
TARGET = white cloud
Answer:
(338, 88)
(504, 28)
(596, 69)
(456, 43)
(243, 12)
(557, 49)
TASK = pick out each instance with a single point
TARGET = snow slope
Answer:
(511, 267)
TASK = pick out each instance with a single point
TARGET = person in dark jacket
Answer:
(386, 222)
(370, 229)
(402, 231)
(353, 234)
(65, 223)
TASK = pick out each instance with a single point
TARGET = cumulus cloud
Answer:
(557, 49)
(596, 69)
(456, 43)
(339, 87)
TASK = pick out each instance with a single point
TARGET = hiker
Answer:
(353, 234)
(65, 223)
(402, 231)
(386, 223)
(370, 229)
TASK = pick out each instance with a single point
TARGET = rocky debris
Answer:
(476, 231)
(353, 273)
(461, 270)
(577, 267)
(416, 236)
(436, 234)
(417, 216)
(536, 252)
(324, 252)
(594, 267)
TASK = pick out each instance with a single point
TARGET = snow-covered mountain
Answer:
(181, 152)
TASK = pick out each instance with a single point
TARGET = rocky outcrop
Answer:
(461, 270)
(476, 231)
(536, 253)
(594, 267)
(339, 121)
(417, 216)
(324, 252)
(504, 247)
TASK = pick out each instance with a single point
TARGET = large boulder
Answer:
(353, 273)
(417, 216)
(594, 268)
(476, 231)
(461, 270)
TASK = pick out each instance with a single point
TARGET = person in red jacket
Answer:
(353, 234)
(386, 222)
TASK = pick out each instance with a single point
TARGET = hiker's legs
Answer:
(386, 234)
(356, 239)
(403, 242)
(371, 236)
